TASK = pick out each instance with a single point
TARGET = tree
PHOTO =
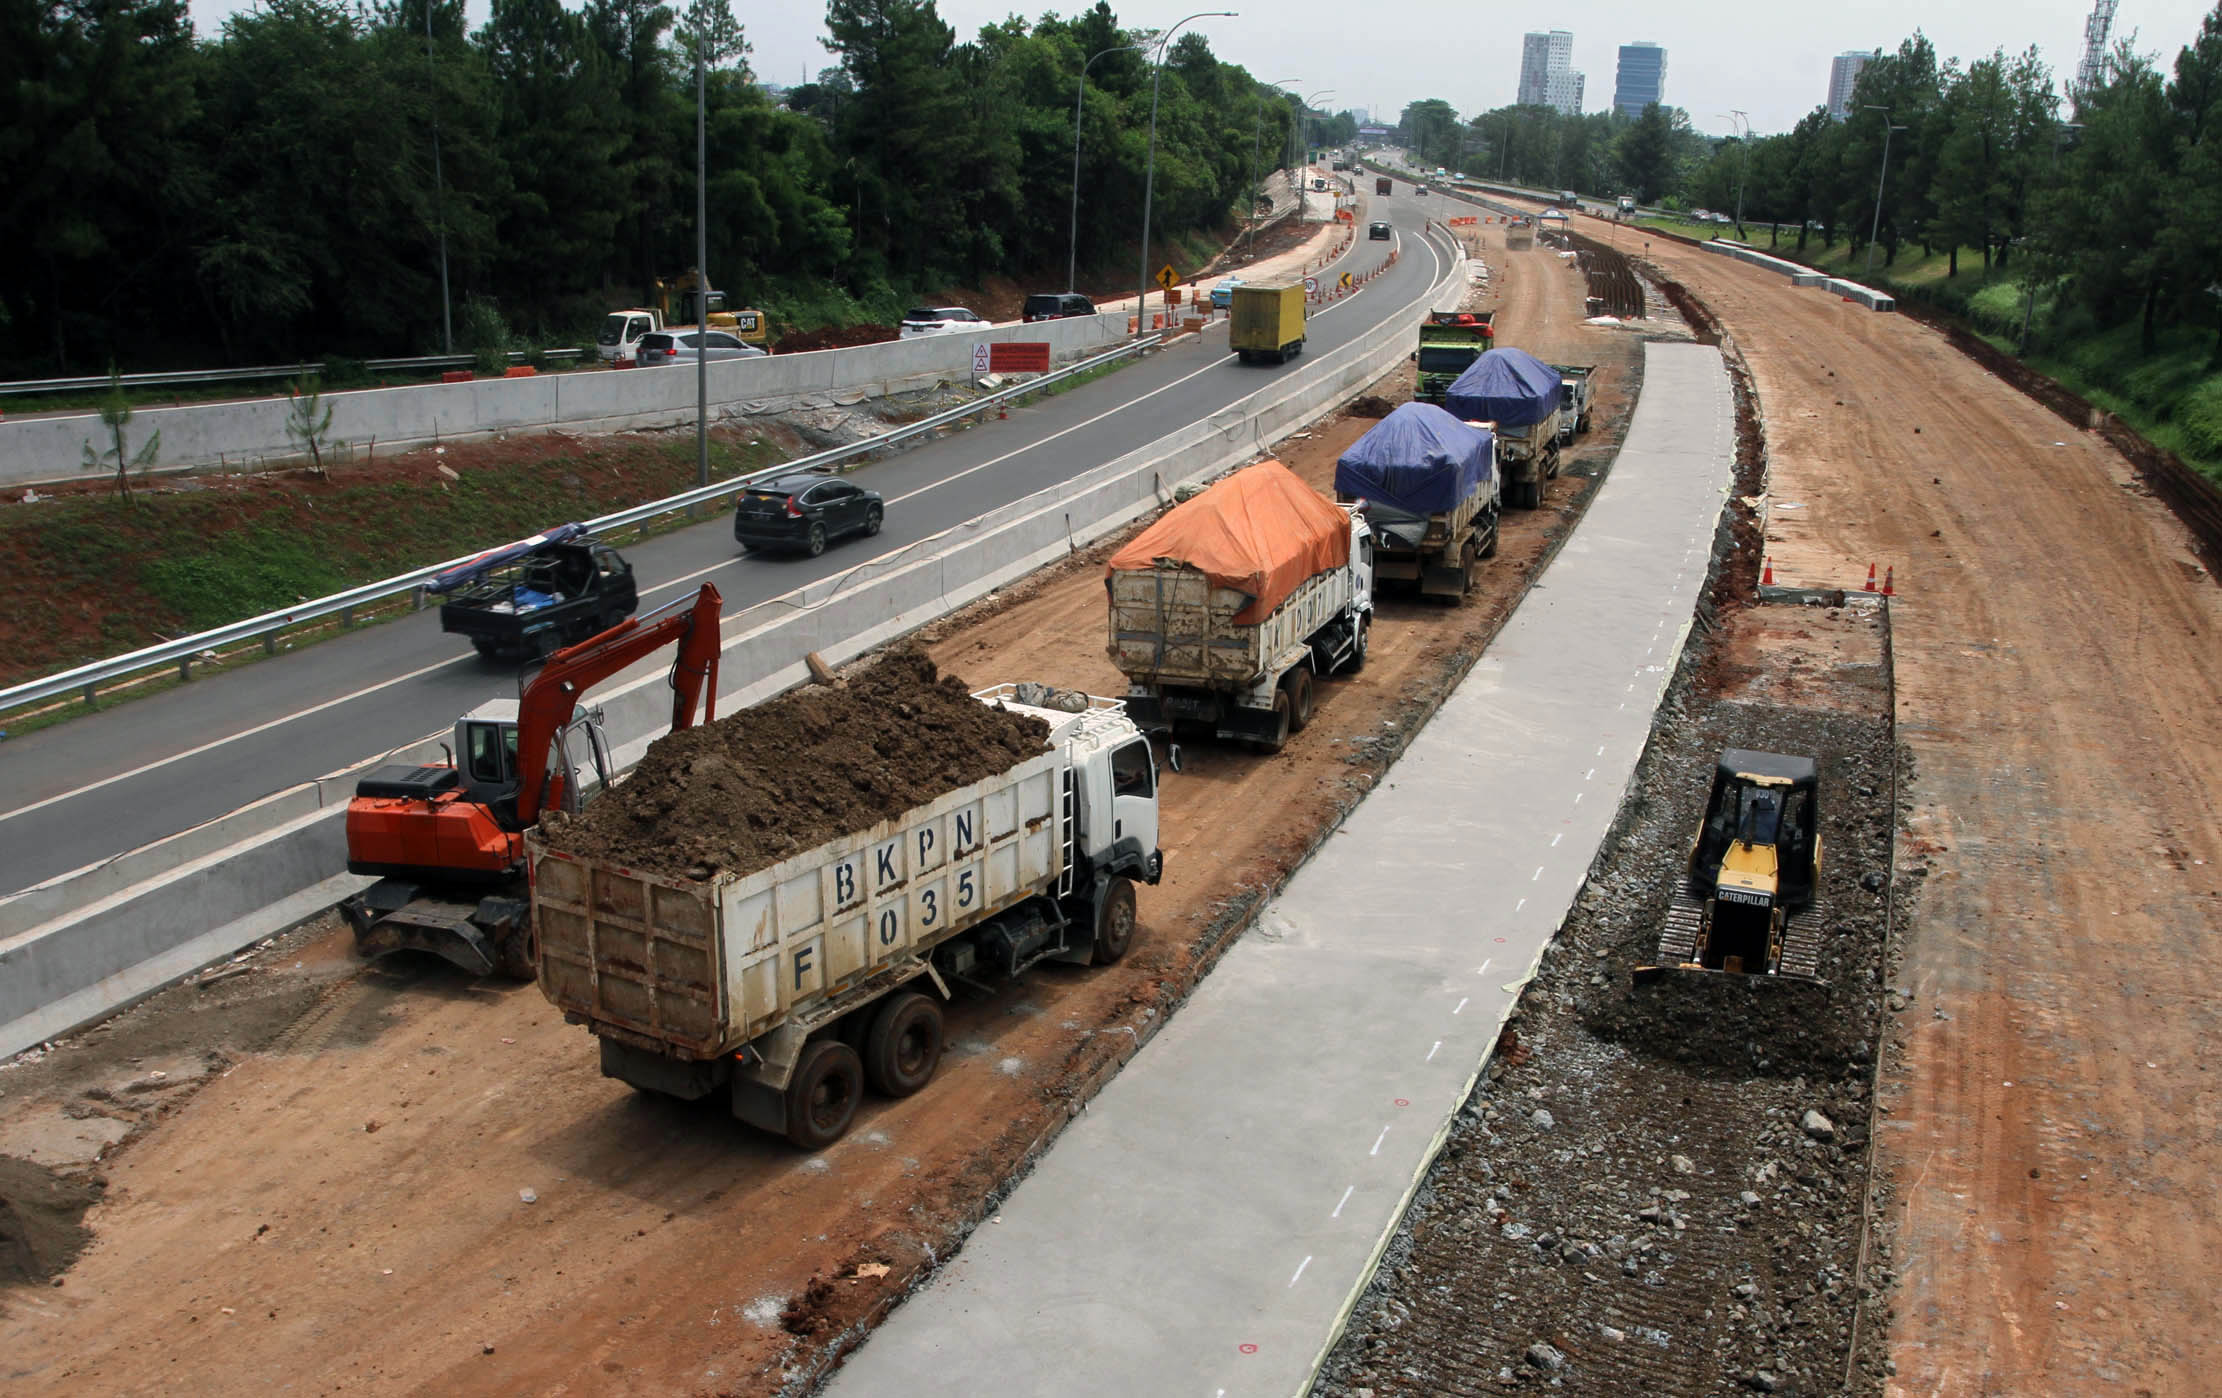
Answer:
(115, 415)
(308, 419)
(1647, 154)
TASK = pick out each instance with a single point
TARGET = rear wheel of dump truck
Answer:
(823, 1095)
(1276, 735)
(1299, 683)
(904, 1045)
(1114, 922)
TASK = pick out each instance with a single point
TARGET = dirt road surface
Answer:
(398, 1181)
(2049, 1126)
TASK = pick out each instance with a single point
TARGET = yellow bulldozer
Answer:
(1747, 905)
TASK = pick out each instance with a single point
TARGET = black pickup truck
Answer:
(530, 600)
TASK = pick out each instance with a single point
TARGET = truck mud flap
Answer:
(687, 1080)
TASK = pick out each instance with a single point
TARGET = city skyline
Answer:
(1639, 79)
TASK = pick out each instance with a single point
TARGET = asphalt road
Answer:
(85, 791)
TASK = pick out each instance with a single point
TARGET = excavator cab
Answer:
(1752, 870)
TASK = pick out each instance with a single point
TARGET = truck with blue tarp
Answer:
(530, 599)
(1518, 397)
(1427, 484)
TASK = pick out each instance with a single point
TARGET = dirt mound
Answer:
(1371, 405)
(832, 337)
(745, 792)
(42, 1219)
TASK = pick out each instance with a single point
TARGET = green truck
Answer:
(1449, 341)
(1266, 321)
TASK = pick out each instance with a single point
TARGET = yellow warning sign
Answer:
(1345, 283)
(1167, 277)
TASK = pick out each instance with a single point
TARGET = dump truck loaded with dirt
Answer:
(754, 909)
(1227, 610)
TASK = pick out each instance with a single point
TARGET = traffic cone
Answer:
(1767, 574)
(1003, 412)
(1888, 575)
(1870, 577)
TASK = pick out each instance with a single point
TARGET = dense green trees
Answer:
(269, 190)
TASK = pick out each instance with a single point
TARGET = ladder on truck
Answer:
(1065, 834)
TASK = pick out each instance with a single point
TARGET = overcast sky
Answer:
(1770, 60)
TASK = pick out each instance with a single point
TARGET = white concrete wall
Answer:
(82, 945)
(206, 434)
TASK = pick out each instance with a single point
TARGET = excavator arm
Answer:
(552, 696)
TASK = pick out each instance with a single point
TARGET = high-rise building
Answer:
(1547, 76)
(1843, 77)
(1641, 79)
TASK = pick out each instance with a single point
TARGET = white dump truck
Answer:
(1227, 610)
(795, 987)
(1428, 485)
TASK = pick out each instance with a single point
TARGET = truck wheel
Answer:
(1466, 560)
(1114, 922)
(904, 1046)
(1299, 684)
(817, 544)
(1278, 739)
(822, 1097)
(1360, 637)
(1489, 550)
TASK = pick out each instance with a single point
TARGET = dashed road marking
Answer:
(1348, 1190)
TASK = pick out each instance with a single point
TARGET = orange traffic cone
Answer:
(1889, 574)
(1003, 412)
(1870, 577)
(1767, 574)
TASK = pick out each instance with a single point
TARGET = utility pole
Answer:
(2059, 138)
(439, 186)
(1072, 240)
(1875, 228)
(1149, 177)
(701, 252)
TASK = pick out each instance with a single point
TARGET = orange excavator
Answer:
(446, 841)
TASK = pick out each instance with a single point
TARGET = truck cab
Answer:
(619, 337)
(1114, 775)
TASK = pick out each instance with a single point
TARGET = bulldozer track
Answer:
(1803, 934)
(313, 1032)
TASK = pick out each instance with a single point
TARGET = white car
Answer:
(921, 321)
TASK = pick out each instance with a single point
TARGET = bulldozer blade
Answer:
(1690, 972)
(443, 929)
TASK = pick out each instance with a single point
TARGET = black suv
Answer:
(1056, 305)
(804, 511)
(1378, 231)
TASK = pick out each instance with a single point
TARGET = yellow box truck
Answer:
(1267, 321)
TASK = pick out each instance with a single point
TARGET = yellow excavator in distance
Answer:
(1747, 905)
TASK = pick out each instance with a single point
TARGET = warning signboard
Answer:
(1311, 286)
(1018, 357)
(1344, 284)
(1167, 277)
(980, 353)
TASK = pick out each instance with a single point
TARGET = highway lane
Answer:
(85, 791)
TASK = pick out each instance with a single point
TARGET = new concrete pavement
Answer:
(83, 792)
(1205, 1225)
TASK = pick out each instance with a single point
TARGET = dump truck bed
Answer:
(1171, 626)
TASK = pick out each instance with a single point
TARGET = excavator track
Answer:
(1803, 934)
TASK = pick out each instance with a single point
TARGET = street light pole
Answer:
(1304, 140)
(1875, 229)
(1743, 167)
(2029, 308)
(701, 255)
(1149, 176)
(439, 188)
(1257, 133)
(1072, 242)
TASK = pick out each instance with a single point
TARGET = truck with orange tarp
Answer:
(1227, 611)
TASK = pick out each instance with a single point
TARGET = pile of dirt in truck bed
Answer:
(814, 764)
(42, 1219)
(832, 337)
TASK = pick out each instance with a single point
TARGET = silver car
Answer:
(687, 346)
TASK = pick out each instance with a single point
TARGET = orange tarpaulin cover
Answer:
(1260, 531)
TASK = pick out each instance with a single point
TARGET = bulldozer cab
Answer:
(1759, 827)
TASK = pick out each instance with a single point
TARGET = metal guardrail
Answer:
(186, 649)
(184, 377)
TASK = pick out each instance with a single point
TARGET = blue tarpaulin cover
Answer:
(471, 570)
(1418, 458)
(1509, 387)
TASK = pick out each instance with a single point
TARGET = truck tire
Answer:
(1299, 685)
(1278, 738)
(1360, 638)
(823, 1095)
(1466, 560)
(904, 1045)
(817, 544)
(1114, 922)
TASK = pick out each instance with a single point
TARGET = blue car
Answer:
(1222, 295)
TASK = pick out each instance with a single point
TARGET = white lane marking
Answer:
(1433, 1051)
(1538, 874)
(1556, 838)
(1300, 1268)
(1484, 968)
(1600, 749)
(1592, 772)
(1347, 1192)
(214, 743)
(1379, 1139)
(1460, 1006)
(350, 697)
(1578, 795)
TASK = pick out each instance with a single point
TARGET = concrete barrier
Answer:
(84, 945)
(43, 449)
(1866, 296)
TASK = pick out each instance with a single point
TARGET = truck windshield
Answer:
(1447, 359)
(612, 331)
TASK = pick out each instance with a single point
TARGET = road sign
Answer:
(980, 357)
(1019, 357)
(1311, 286)
(1167, 277)
(1344, 284)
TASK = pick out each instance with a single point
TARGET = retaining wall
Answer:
(43, 449)
(1801, 275)
(83, 945)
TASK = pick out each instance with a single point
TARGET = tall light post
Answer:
(1739, 125)
(1303, 134)
(1875, 229)
(1072, 241)
(701, 252)
(1149, 176)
